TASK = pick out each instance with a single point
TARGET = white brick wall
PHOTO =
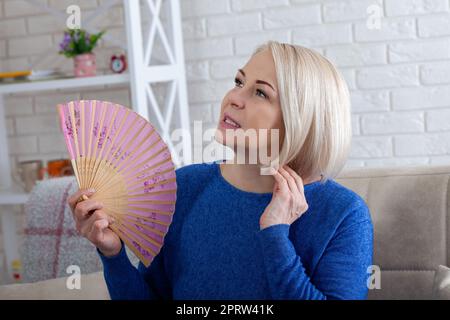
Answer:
(12, 28)
(437, 120)
(435, 73)
(388, 76)
(424, 50)
(322, 34)
(421, 97)
(14, 8)
(392, 122)
(232, 24)
(277, 18)
(334, 11)
(25, 33)
(399, 75)
(358, 55)
(434, 25)
(414, 7)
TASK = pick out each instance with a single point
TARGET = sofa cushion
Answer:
(410, 207)
(92, 287)
(441, 286)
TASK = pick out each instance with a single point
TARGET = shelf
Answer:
(63, 83)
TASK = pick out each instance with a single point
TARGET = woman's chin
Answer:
(220, 135)
(223, 141)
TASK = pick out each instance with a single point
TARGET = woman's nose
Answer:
(237, 101)
(237, 105)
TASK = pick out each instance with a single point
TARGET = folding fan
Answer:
(119, 153)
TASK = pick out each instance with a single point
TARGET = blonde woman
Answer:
(239, 234)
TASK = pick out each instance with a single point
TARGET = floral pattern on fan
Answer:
(120, 154)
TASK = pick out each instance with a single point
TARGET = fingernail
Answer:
(91, 190)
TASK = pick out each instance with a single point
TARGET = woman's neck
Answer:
(248, 177)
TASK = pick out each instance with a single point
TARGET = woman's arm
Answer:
(340, 274)
(126, 282)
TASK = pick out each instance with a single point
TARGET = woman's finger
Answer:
(73, 199)
(300, 205)
(96, 216)
(290, 181)
(85, 226)
(83, 208)
(297, 178)
(281, 181)
(96, 234)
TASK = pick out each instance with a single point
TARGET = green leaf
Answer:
(82, 44)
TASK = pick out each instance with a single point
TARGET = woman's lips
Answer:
(229, 123)
(226, 125)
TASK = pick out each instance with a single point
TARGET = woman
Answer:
(238, 234)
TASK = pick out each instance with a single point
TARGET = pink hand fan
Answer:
(118, 153)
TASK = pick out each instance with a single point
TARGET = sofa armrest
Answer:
(92, 287)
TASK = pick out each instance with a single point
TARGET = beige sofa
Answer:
(410, 209)
(92, 287)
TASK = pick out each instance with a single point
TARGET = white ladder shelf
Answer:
(140, 77)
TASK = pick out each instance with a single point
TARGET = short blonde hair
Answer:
(315, 104)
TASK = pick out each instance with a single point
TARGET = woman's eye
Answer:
(259, 92)
(262, 92)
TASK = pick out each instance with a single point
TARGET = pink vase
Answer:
(85, 65)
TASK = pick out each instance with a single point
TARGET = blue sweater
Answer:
(214, 248)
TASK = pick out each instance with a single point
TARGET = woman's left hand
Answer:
(288, 201)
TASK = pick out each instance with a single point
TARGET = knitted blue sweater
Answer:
(214, 248)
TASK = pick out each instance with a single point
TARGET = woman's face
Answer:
(253, 103)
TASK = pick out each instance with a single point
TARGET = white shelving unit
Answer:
(140, 77)
(65, 83)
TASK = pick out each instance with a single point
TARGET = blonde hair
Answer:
(315, 104)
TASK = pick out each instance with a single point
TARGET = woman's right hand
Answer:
(92, 223)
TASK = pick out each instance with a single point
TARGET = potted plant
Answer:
(79, 44)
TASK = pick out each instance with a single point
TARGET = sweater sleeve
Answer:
(126, 282)
(341, 272)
